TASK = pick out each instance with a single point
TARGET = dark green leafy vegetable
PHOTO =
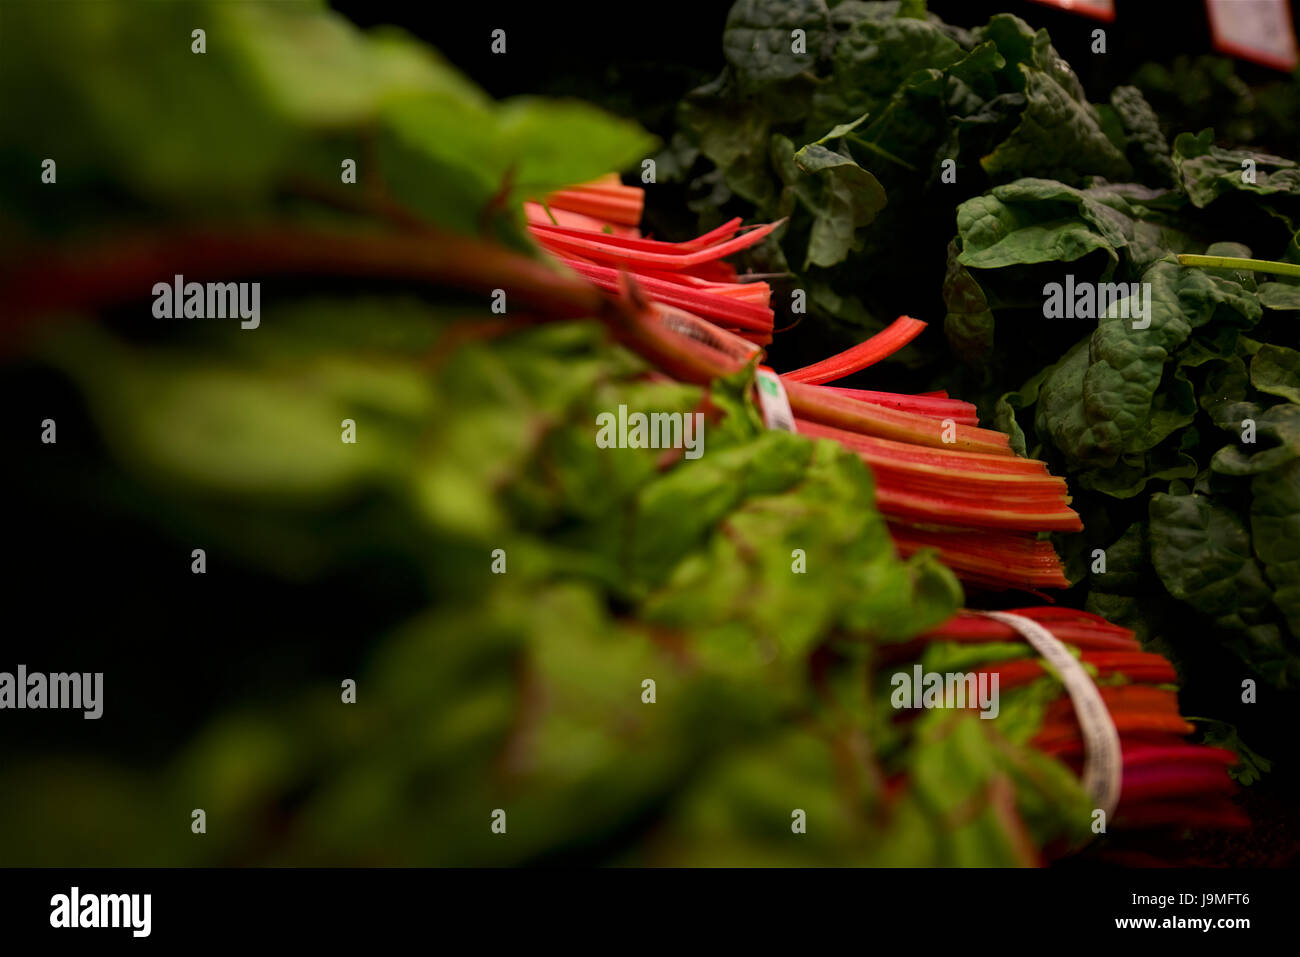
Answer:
(1148, 150)
(1207, 171)
(842, 197)
(919, 111)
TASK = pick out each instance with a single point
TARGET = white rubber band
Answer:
(1102, 758)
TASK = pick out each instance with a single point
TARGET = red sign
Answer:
(1097, 9)
(1257, 30)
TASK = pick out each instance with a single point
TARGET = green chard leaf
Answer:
(1280, 296)
(968, 324)
(1148, 150)
(873, 56)
(1207, 171)
(842, 197)
(1035, 221)
(757, 39)
(1276, 370)
(1059, 135)
(1203, 555)
(1111, 394)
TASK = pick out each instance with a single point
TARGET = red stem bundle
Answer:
(1166, 781)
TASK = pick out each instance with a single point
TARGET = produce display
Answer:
(1163, 389)
(927, 495)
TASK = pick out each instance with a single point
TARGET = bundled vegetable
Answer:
(942, 482)
(1166, 782)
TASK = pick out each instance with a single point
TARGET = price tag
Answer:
(1097, 9)
(772, 400)
(1257, 30)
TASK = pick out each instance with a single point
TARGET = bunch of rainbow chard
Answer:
(943, 482)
